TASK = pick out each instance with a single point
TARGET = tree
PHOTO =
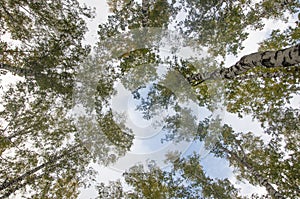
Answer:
(132, 15)
(49, 56)
(15, 181)
(258, 161)
(273, 84)
(48, 38)
(36, 151)
(281, 152)
(60, 83)
(41, 146)
(186, 179)
(209, 20)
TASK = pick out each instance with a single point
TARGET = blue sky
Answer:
(215, 167)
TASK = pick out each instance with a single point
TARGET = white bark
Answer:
(269, 59)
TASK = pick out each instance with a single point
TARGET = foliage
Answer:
(186, 179)
(41, 148)
(36, 148)
(128, 15)
(44, 37)
(209, 20)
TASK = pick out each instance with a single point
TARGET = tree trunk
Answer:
(28, 72)
(18, 186)
(145, 12)
(18, 71)
(259, 178)
(52, 160)
(281, 58)
(261, 74)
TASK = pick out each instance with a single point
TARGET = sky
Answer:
(245, 124)
(210, 164)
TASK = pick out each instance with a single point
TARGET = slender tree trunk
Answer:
(15, 188)
(52, 160)
(281, 58)
(28, 173)
(20, 185)
(18, 71)
(28, 72)
(259, 178)
(145, 12)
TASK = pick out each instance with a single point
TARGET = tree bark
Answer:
(18, 71)
(281, 58)
(28, 72)
(52, 160)
(261, 74)
(259, 178)
(145, 12)
(18, 186)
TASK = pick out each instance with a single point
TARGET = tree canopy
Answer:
(169, 57)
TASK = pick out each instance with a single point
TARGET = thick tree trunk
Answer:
(259, 178)
(261, 74)
(281, 58)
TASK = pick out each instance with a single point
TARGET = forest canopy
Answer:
(67, 106)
